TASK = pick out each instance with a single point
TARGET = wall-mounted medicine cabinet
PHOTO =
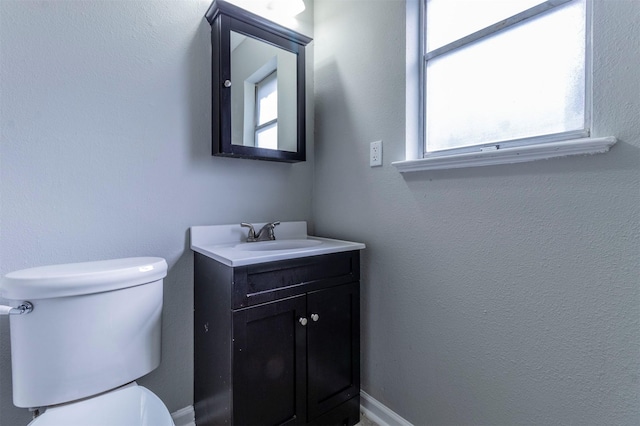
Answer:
(258, 86)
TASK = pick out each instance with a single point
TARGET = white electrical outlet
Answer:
(375, 154)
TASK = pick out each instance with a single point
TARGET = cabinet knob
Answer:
(227, 83)
(315, 317)
(303, 321)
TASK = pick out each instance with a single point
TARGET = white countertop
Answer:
(227, 244)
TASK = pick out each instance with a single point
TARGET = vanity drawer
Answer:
(261, 283)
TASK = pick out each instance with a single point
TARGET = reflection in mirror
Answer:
(263, 94)
(266, 133)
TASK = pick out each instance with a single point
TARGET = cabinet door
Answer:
(333, 347)
(269, 354)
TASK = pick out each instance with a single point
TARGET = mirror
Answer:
(258, 86)
(263, 105)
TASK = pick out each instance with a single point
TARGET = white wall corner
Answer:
(184, 417)
(379, 413)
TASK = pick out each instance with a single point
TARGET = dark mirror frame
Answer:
(224, 18)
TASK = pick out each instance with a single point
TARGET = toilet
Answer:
(94, 328)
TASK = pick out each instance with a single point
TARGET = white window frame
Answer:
(481, 155)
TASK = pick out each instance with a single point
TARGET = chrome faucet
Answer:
(265, 234)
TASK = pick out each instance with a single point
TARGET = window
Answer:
(266, 126)
(502, 81)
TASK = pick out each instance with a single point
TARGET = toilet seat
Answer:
(130, 405)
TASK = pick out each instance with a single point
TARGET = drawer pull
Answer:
(303, 321)
(315, 317)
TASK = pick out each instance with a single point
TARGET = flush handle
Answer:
(24, 308)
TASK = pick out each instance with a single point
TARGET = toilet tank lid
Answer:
(74, 279)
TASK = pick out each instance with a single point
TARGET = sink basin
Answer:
(226, 244)
(278, 245)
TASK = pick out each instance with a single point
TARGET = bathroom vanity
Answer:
(276, 328)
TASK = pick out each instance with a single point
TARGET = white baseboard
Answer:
(184, 417)
(379, 413)
(373, 409)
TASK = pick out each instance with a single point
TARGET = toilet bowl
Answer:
(91, 330)
(129, 405)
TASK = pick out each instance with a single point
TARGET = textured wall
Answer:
(105, 153)
(492, 295)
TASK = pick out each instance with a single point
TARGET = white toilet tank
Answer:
(94, 326)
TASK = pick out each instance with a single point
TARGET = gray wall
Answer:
(105, 153)
(496, 295)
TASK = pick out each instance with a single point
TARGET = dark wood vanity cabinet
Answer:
(277, 343)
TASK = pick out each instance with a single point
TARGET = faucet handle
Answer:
(271, 226)
(252, 232)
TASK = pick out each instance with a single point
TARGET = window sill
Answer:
(509, 155)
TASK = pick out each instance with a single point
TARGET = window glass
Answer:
(267, 99)
(267, 137)
(525, 81)
(266, 132)
(467, 16)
